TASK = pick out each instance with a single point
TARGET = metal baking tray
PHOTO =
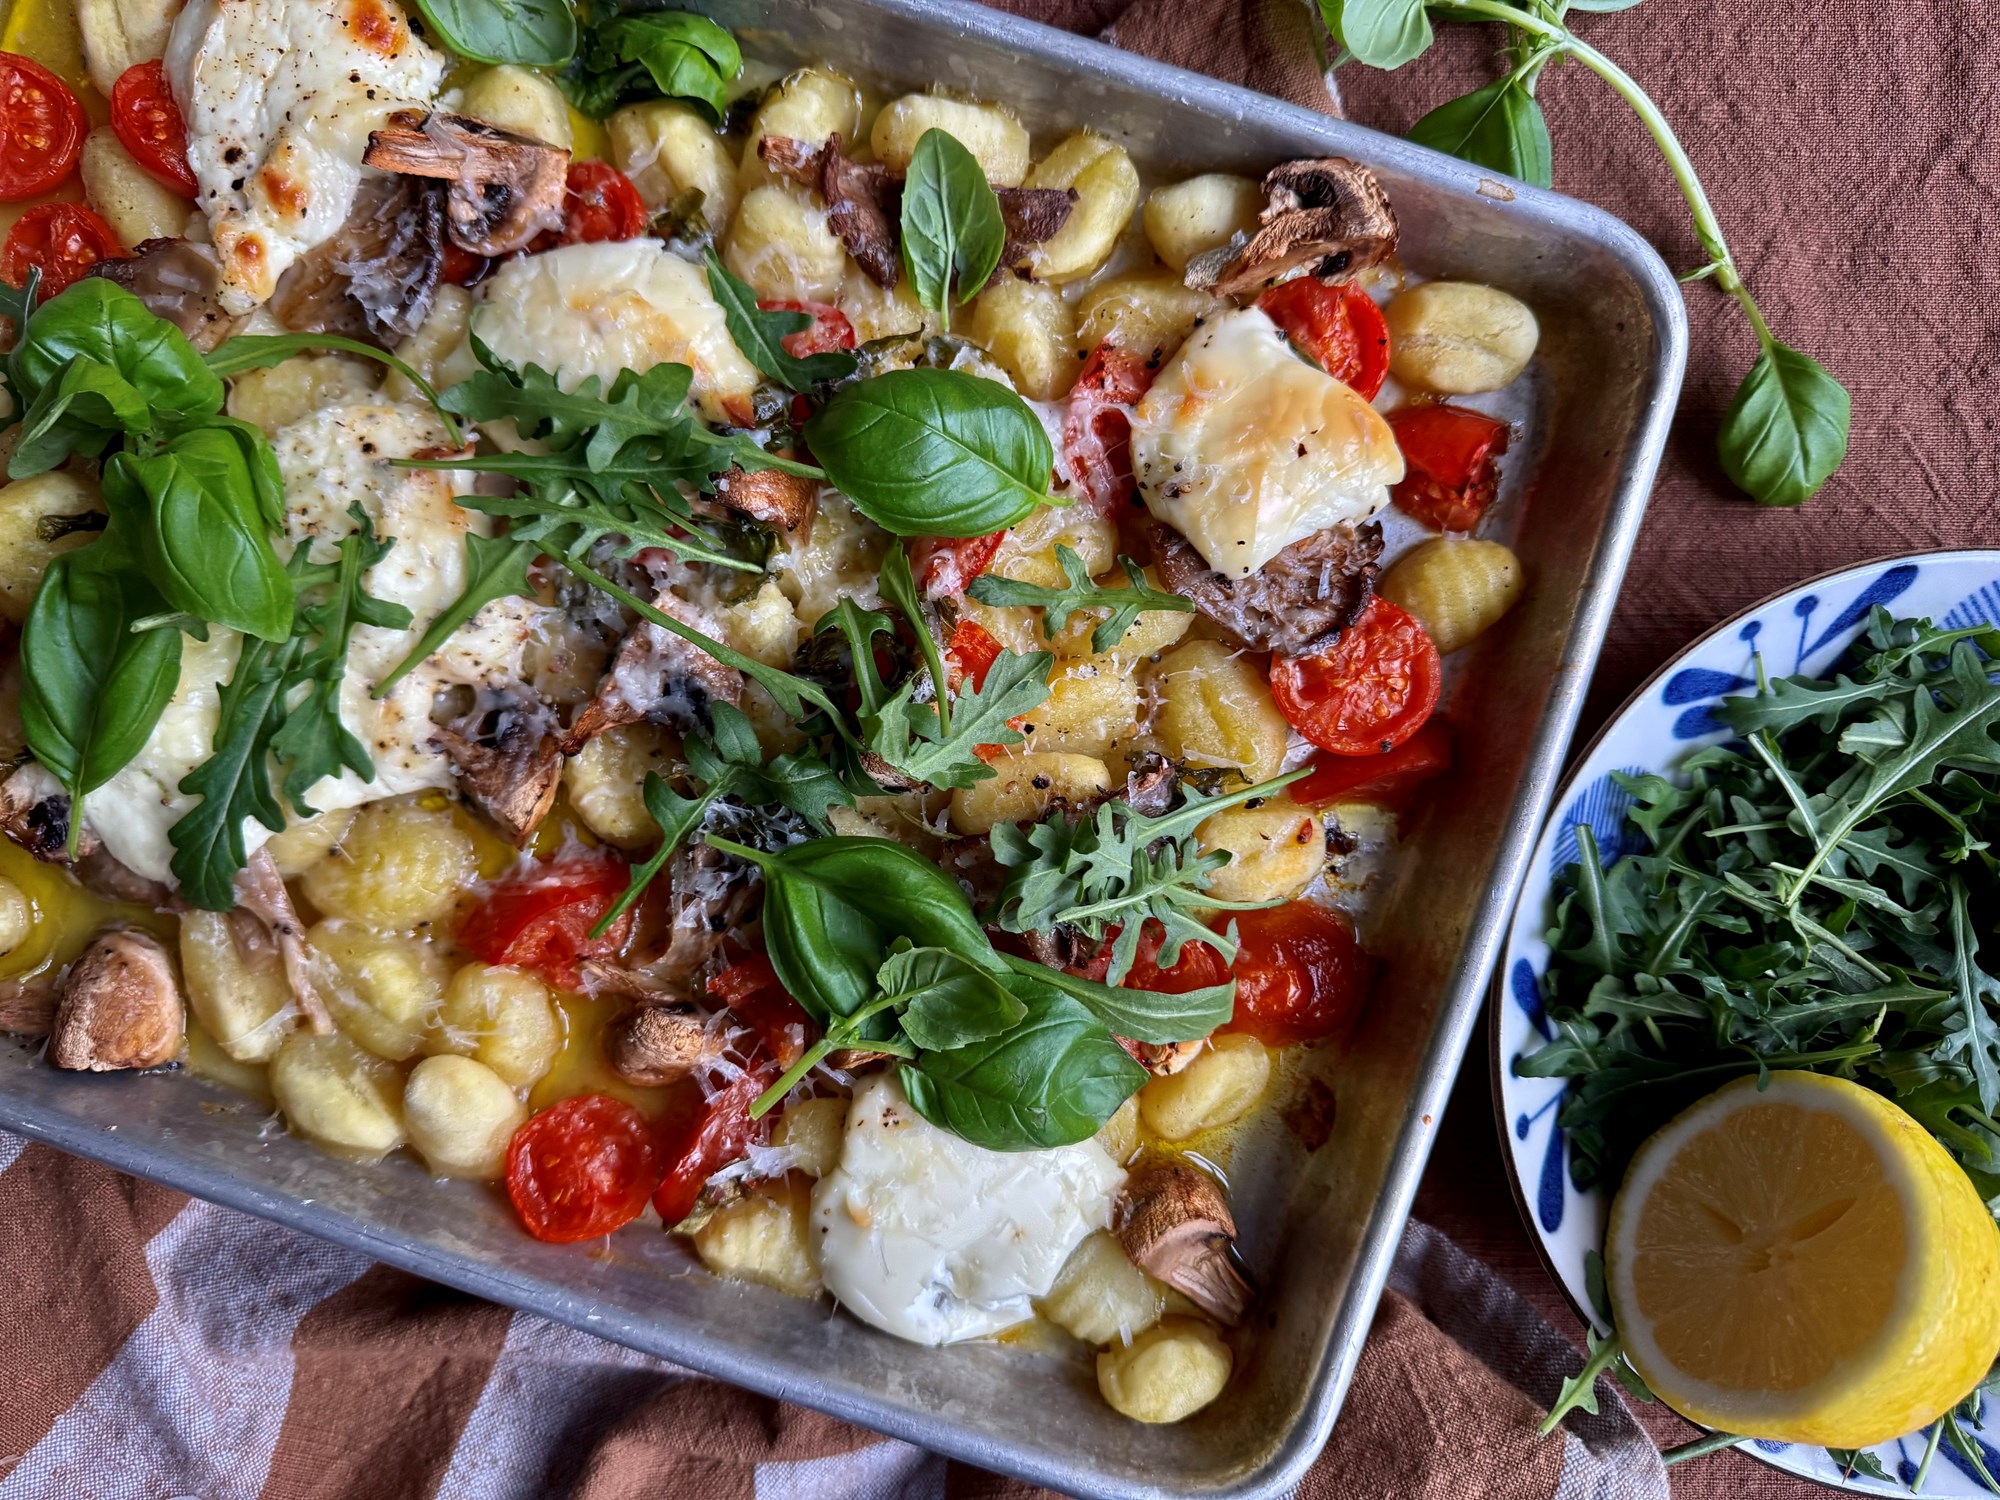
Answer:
(1319, 1228)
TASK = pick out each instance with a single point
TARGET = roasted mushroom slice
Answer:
(1032, 215)
(265, 914)
(119, 1007)
(771, 496)
(1176, 1226)
(656, 676)
(502, 190)
(508, 756)
(1298, 603)
(1162, 1059)
(860, 199)
(657, 1044)
(1328, 213)
(179, 281)
(34, 813)
(376, 278)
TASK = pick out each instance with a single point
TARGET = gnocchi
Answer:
(606, 782)
(781, 245)
(1150, 313)
(399, 865)
(460, 1116)
(1218, 1088)
(1028, 552)
(997, 140)
(810, 1129)
(442, 331)
(1184, 219)
(521, 100)
(297, 387)
(1028, 330)
(1092, 706)
(136, 205)
(40, 519)
(1100, 1296)
(300, 846)
(1276, 848)
(1166, 1374)
(1459, 338)
(348, 1100)
(501, 1017)
(762, 1237)
(1027, 785)
(17, 916)
(1151, 633)
(1457, 587)
(667, 149)
(242, 999)
(1216, 711)
(1106, 185)
(384, 989)
(808, 105)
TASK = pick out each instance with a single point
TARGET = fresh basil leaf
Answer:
(1052, 1080)
(668, 53)
(529, 33)
(81, 410)
(101, 321)
(92, 690)
(1381, 33)
(1499, 126)
(760, 334)
(952, 229)
(496, 567)
(934, 452)
(1142, 1015)
(1126, 602)
(952, 1002)
(1786, 431)
(260, 351)
(207, 547)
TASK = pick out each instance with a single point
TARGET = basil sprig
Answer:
(1786, 430)
(952, 229)
(926, 452)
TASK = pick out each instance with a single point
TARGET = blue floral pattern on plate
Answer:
(1805, 630)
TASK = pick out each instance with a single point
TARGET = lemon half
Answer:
(1803, 1263)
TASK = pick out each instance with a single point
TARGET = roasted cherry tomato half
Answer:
(1451, 464)
(1387, 780)
(719, 1132)
(148, 124)
(1369, 691)
(461, 267)
(1300, 974)
(41, 129)
(539, 918)
(830, 331)
(971, 651)
(751, 991)
(1197, 967)
(1338, 327)
(946, 565)
(582, 1168)
(1097, 426)
(64, 239)
(600, 203)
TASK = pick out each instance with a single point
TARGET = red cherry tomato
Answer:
(1197, 968)
(1339, 327)
(41, 128)
(1300, 974)
(148, 124)
(1451, 464)
(718, 1133)
(581, 1168)
(1369, 691)
(752, 992)
(63, 239)
(946, 565)
(1097, 426)
(461, 267)
(539, 917)
(830, 329)
(971, 652)
(1387, 779)
(600, 203)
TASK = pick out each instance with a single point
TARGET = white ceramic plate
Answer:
(1803, 630)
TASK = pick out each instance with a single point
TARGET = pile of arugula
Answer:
(1819, 895)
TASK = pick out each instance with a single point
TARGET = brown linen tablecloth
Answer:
(154, 1347)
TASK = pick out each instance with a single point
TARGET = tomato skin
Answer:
(1301, 974)
(1097, 430)
(41, 129)
(971, 651)
(1198, 967)
(599, 203)
(1388, 779)
(581, 1168)
(64, 239)
(539, 917)
(946, 565)
(830, 331)
(752, 990)
(1451, 464)
(148, 124)
(1339, 327)
(1366, 693)
(461, 267)
(720, 1132)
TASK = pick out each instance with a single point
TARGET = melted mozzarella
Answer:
(279, 97)
(596, 309)
(934, 1239)
(1245, 448)
(331, 460)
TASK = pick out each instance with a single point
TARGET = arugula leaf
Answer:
(1050, 1081)
(913, 737)
(234, 783)
(1786, 430)
(1126, 602)
(952, 230)
(1579, 1391)
(760, 334)
(899, 586)
(662, 54)
(1499, 126)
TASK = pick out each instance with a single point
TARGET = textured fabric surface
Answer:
(158, 1347)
